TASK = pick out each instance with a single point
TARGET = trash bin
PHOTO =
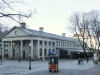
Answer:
(53, 63)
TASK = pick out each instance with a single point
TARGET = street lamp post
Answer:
(30, 56)
(29, 62)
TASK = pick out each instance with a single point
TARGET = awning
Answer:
(52, 53)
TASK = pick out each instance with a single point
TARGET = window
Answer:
(53, 50)
(40, 52)
(40, 42)
(63, 44)
(78, 45)
(13, 52)
(68, 44)
(49, 50)
(49, 43)
(53, 43)
(7, 45)
(59, 43)
(45, 43)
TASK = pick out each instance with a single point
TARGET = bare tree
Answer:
(79, 23)
(95, 25)
(9, 13)
(85, 26)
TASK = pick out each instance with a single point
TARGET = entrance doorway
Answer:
(23, 53)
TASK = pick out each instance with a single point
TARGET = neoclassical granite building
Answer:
(22, 42)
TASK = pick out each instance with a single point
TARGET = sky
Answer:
(54, 15)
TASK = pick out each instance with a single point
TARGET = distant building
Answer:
(90, 40)
(22, 42)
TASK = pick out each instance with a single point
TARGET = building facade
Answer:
(91, 41)
(22, 42)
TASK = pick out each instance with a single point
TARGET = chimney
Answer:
(41, 29)
(23, 25)
(63, 34)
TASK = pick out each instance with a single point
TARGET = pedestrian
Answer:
(81, 60)
(87, 59)
(1, 59)
(19, 59)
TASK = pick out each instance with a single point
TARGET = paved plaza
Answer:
(40, 67)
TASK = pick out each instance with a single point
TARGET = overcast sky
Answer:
(53, 15)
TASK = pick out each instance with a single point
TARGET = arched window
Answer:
(53, 50)
(40, 52)
(49, 49)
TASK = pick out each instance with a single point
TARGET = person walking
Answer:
(78, 61)
(87, 59)
(81, 60)
(19, 59)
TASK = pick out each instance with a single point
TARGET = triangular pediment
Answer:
(16, 32)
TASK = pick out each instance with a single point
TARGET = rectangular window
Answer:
(5, 45)
(40, 42)
(63, 44)
(45, 43)
(53, 43)
(49, 43)
(68, 44)
(59, 43)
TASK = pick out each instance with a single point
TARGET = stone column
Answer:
(55, 46)
(47, 47)
(8, 49)
(31, 50)
(38, 50)
(21, 50)
(43, 49)
(3, 49)
(60, 44)
(11, 50)
(51, 46)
